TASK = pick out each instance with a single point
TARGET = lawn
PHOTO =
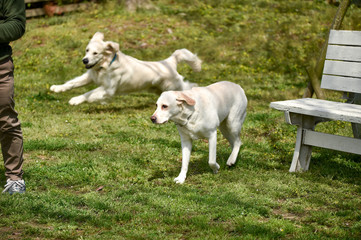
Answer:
(106, 172)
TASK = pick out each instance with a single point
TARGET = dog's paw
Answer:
(230, 163)
(57, 88)
(215, 167)
(77, 100)
(179, 179)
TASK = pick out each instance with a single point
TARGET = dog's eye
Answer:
(95, 53)
(164, 106)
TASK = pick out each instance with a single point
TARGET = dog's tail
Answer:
(191, 59)
(188, 85)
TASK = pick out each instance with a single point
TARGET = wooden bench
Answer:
(342, 72)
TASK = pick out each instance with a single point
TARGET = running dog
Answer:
(116, 73)
(198, 113)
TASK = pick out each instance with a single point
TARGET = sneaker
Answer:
(17, 186)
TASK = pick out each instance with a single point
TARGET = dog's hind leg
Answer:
(231, 129)
(235, 141)
(212, 141)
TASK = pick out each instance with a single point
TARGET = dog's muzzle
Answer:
(153, 119)
(86, 63)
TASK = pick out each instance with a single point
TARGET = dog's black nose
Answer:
(85, 61)
(153, 118)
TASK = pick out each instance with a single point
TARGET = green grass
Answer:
(106, 172)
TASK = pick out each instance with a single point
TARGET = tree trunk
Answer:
(315, 70)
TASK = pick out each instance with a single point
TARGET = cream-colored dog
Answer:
(198, 113)
(117, 73)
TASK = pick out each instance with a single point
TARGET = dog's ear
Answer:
(112, 47)
(182, 97)
(98, 36)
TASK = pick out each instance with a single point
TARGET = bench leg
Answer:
(356, 128)
(302, 154)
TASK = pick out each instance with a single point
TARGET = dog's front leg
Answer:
(212, 141)
(186, 154)
(95, 95)
(74, 83)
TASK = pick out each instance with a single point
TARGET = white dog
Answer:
(117, 73)
(198, 112)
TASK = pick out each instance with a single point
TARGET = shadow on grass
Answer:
(2, 178)
(57, 144)
(336, 165)
(115, 109)
(121, 104)
(131, 138)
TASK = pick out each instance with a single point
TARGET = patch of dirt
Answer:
(10, 233)
(286, 215)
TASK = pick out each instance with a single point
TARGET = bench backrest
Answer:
(342, 70)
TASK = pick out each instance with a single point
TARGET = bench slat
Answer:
(344, 84)
(329, 141)
(343, 53)
(321, 108)
(339, 37)
(346, 69)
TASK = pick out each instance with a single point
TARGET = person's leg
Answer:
(10, 131)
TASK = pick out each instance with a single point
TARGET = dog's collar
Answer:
(115, 56)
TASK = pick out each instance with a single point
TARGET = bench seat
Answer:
(321, 108)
